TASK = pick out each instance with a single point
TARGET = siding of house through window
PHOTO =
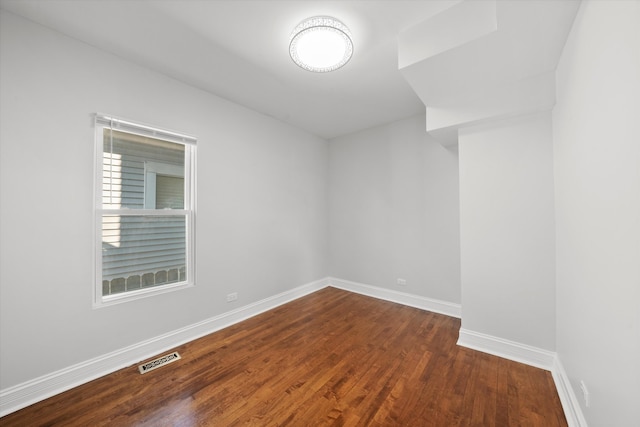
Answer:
(140, 251)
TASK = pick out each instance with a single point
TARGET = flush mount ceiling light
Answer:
(321, 44)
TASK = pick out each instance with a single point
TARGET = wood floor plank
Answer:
(332, 358)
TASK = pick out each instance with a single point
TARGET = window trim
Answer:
(101, 123)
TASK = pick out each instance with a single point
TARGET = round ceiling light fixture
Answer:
(321, 44)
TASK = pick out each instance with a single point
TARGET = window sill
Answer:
(105, 301)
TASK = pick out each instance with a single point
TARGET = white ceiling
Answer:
(238, 49)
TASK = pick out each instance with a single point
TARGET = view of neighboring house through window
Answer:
(144, 210)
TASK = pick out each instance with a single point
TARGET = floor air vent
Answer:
(160, 361)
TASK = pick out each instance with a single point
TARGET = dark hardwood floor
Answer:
(331, 358)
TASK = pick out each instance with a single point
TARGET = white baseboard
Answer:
(532, 356)
(29, 392)
(424, 303)
(569, 400)
(511, 350)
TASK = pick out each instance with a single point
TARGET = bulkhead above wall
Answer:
(481, 61)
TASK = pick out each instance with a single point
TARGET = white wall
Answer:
(262, 201)
(596, 130)
(394, 210)
(507, 230)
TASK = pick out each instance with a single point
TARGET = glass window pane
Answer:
(131, 164)
(142, 251)
(169, 192)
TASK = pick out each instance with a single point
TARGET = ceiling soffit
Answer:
(479, 61)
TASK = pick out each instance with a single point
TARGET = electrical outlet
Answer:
(401, 282)
(585, 393)
(232, 297)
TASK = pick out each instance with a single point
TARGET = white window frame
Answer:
(103, 122)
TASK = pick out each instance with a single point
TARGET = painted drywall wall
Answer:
(261, 215)
(596, 132)
(394, 210)
(507, 230)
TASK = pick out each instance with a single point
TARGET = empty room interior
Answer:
(204, 222)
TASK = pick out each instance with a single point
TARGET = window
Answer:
(145, 199)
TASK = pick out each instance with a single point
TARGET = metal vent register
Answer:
(160, 361)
